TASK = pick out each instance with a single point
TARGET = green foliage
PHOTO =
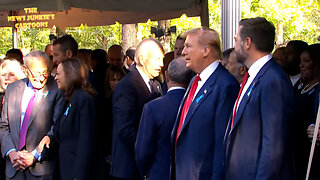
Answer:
(98, 37)
(5, 40)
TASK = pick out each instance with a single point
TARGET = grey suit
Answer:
(43, 115)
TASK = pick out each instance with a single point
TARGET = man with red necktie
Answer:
(257, 137)
(197, 137)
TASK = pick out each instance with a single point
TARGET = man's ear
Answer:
(140, 60)
(247, 43)
(166, 76)
(69, 53)
(242, 70)
(206, 51)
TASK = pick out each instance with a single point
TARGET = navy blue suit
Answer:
(257, 147)
(129, 97)
(153, 141)
(199, 149)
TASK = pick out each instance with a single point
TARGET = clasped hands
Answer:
(24, 159)
(21, 159)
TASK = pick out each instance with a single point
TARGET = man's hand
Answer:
(16, 160)
(44, 141)
(27, 158)
(310, 132)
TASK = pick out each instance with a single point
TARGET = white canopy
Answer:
(68, 13)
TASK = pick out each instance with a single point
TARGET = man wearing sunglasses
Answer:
(29, 108)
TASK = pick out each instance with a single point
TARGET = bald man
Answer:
(130, 95)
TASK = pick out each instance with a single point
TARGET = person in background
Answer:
(63, 47)
(179, 44)
(129, 60)
(305, 113)
(14, 54)
(10, 71)
(113, 75)
(129, 97)
(225, 57)
(236, 68)
(280, 56)
(293, 52)
(153, 147)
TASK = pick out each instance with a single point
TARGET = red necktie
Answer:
(24, 127)
(244, 80)
(187, 105)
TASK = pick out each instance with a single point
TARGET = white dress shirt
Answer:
(253, 71)
(144, 77)
(205, 74)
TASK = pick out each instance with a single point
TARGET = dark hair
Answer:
(130, 53)
(76, 73)
(182, 36)
(178, 72)
(99, 56)
(313, 51)
(67, 42)
(260, 31)
(298, 46)
(16, 52)
(226, 53)
(111, 71)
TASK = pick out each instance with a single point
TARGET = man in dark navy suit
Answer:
(197, 137)
(257, 137)
(157, 120)
(130, 95)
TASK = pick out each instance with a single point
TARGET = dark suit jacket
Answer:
(44, 113)
(153, 145)
(258, 144)
(75, 134)
(129, 97)
(199, 149)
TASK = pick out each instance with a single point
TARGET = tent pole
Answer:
(14, 37)
(204, 15)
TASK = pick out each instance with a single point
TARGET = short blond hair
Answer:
(208, 37)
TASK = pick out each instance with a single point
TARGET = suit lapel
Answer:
(19, 95)
(249, 92)
(41, 96)
(202, 94)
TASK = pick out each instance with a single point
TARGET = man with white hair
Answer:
(130, 95)
(29, 110)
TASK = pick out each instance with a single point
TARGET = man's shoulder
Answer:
(16, 83)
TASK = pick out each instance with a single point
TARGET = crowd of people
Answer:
(196, 113)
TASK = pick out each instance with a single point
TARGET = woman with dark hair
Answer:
(305, 113)
(112, 77)
(74, 132)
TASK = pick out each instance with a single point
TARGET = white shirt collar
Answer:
(144, 77)
(256, 66)
(175, 87)
(205, 74)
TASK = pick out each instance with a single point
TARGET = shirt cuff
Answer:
(36, 154)
(10, 152)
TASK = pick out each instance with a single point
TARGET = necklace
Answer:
(307, 88)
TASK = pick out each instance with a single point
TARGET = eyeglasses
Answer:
(37, 74)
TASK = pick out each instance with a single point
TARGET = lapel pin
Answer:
(205, 91)
(251, 87)
(199, 98)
